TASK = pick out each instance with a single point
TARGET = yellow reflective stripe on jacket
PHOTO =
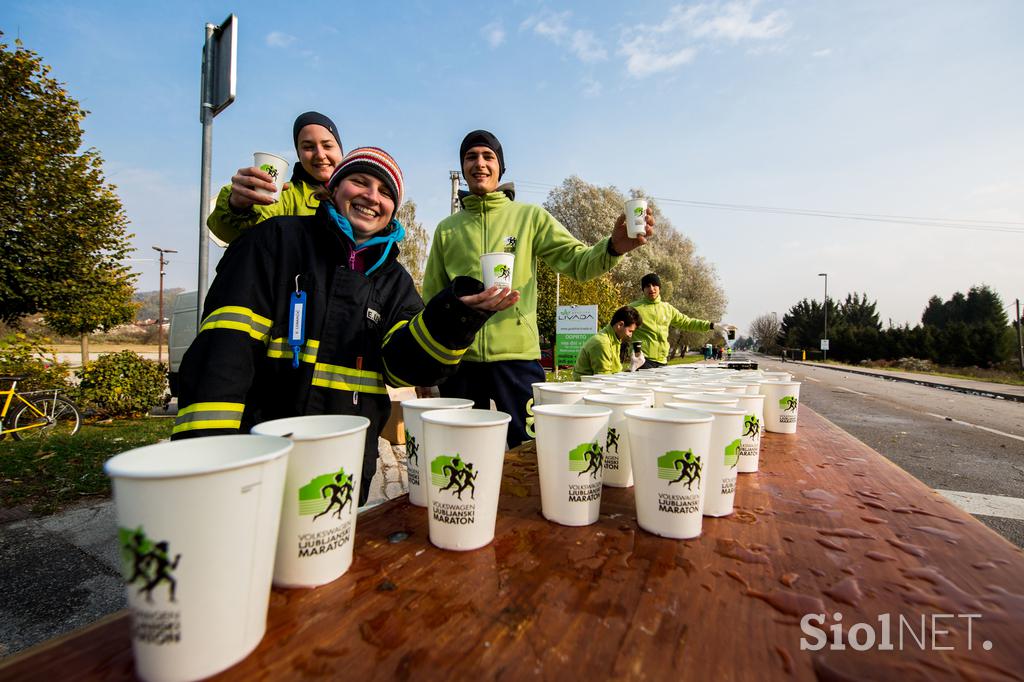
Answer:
(279, 348)
(445, 356)
(399, 325)
(348, 379)
(209, 416)
(240, 319)
(392, 378)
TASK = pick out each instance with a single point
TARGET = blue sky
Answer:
(881, 108)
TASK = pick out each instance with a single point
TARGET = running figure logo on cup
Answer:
(149, 564)
(732, 454)
(676, 466)
(313, 497)
(497, 269)
(586, 457)
(451, 473)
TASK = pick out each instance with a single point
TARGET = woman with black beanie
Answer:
(240, 205)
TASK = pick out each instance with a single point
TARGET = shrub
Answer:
(122, 384)
(25, 357)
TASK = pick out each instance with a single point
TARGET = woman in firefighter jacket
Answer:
(364, 324)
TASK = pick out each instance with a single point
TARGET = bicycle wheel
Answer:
(60, 417)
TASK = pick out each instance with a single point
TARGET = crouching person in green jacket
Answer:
(608, 351)
(503, 360)
(365, 325)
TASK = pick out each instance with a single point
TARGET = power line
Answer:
(1012, 227)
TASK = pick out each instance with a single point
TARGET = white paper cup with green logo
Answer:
(618, 468)
(570, 461)
(560, 394)
(698, 400)
(781, 403)
(465, 451)
(274, 166)
(197, 526)
(669, 449)
(753, 424)
(636, 217)
(497, 269)
(726, 440)
(646, 394)
(321, 494)
(412, 415)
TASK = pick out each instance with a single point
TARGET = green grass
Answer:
(995, 376)
(51, 473)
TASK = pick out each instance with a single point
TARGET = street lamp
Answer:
(824, 350)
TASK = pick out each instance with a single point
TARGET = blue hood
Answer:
(389, 237)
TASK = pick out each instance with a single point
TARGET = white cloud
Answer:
(592, 88)
(550, 25)
(822, 53)
(586, 47)
(493, 33)
(278, 39)
(676, 40)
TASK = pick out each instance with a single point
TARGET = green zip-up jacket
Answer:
(227, 223)
(658, 316)
(600, 354)
(494, 223)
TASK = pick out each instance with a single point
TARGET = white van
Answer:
(181, 333)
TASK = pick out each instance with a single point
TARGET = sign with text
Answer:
(574, 324)
(824, 344)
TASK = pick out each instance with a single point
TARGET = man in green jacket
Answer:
(502, 362)
(658, 316)
(606, 351)
(240, 205)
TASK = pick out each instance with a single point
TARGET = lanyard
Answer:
(297, 322)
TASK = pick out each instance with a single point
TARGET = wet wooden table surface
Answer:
(827, 526)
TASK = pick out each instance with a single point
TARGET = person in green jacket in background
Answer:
(240, 205)
(502, 362)
(607, 351)
(658, 316)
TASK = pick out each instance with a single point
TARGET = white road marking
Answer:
(817, 381)
(986, 505)
(849, 390)
(976, 426)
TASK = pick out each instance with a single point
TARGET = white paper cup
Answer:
(720, 487)
(778, 376)
(570, 461)
(321, 493)
(781, 403)
(669, 449)
(720, 399)
(618, 468)
(497, 269)
(648, 395)
(412, 413)
(197, 525)
(276, 167)
(560, 394)
(636, 217)
(753, 423)
(465, 451)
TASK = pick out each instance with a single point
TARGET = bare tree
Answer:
(413, 249)
(765, 329)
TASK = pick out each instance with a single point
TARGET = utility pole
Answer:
(1020, 346)
(454, 177)
(824, 350)
(160, 319)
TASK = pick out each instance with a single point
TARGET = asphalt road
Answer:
(947, 440)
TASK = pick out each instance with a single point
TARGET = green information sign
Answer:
(574, 324)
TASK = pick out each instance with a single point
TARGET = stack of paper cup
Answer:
(412, 413)
(321, 493)
(618, 468)
(781, 403)
(465, 451)
(559, 394)
(570, 461)
(669, 449)
(197, 525)
(753, 422)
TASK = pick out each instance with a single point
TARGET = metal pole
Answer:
(1020, 346)
(160, 320)
(824, 353)
(454, 177)
(206, 116)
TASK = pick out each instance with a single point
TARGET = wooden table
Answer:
(827, 526)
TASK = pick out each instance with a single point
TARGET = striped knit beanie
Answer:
(375, 162)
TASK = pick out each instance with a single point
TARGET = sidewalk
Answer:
(977, 387)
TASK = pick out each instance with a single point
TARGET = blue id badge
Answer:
(297, 325)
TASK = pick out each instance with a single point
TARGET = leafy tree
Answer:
(765, 330)
(600, 291)
(64, 232)
(413, 249)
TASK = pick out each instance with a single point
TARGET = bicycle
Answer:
(41, 414)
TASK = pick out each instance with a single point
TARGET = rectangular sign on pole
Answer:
(222, 75)
(824, 344)
(574, 324)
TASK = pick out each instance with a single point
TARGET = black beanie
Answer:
(650, 278)
(482, 138)
(315, 118)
